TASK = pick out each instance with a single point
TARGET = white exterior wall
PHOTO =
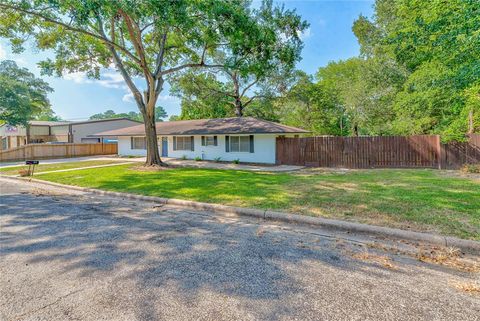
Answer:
(264, 149)
(124, 148)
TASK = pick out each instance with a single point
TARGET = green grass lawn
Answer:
(423, 200)
(53, 167)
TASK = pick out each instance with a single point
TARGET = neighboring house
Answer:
(244, 138)
(59, 131)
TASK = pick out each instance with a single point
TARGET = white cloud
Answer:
(168, 98)
(108, 79)
(21, 61)
(78, 78)
(305, 34)
(3, 53)
(128, 98)
(111, 80)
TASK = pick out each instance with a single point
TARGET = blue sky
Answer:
(329, 38)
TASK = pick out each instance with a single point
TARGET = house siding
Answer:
(264, 149)
(80, 131)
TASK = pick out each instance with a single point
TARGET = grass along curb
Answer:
(447, 241)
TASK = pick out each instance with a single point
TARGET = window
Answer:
(138, 143)
(90, 140)
(209, 141)
(183, 143)
(240, 144)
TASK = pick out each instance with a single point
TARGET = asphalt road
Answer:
(72, 256)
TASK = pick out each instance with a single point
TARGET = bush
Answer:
(471, 168)
(236, 161)
(198, 158)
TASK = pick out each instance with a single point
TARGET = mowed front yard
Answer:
(422, 200)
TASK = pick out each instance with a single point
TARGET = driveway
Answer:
(72, 256)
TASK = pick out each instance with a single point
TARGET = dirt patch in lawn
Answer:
(460, 174)
(143, 168)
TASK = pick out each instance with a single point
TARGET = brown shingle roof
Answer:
(234, 125)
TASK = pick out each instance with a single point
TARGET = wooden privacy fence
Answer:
(423, 151)
(457, 154)
(46, 151)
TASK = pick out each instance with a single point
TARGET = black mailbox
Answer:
(31, 162)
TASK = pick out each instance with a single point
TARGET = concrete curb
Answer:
(465, 245)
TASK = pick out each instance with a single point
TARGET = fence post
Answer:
(439, 151)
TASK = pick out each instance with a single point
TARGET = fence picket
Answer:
(46, 151)
(420, 151)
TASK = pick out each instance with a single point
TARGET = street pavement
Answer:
(70, 255)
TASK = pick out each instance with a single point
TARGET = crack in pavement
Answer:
(47, 305)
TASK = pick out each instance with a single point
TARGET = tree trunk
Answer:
(153, 156)
(355, 130)
(238, 107)
(470, 121)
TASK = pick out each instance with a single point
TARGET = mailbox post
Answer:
(31, 166)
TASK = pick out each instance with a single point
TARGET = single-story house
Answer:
(39, 131)
(244, 138)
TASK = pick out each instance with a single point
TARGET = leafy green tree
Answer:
(48, 115)
(160, 113)
(22, 95)
(313, 106)
(472, 109)
(250, 75)
(150, 39)
(201, 96)
(436, 42)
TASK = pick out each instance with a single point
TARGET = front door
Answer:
(164, 147)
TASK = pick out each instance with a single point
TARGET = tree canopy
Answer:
(249, 75)
(418, 73)
(148, 39)
(160, 113)
(22, 95)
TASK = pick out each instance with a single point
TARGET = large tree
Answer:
(247, 76)
(201, 96)
(148, 39)
(313, 106)
(436, 42)
(160, 113)
(22, 95)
